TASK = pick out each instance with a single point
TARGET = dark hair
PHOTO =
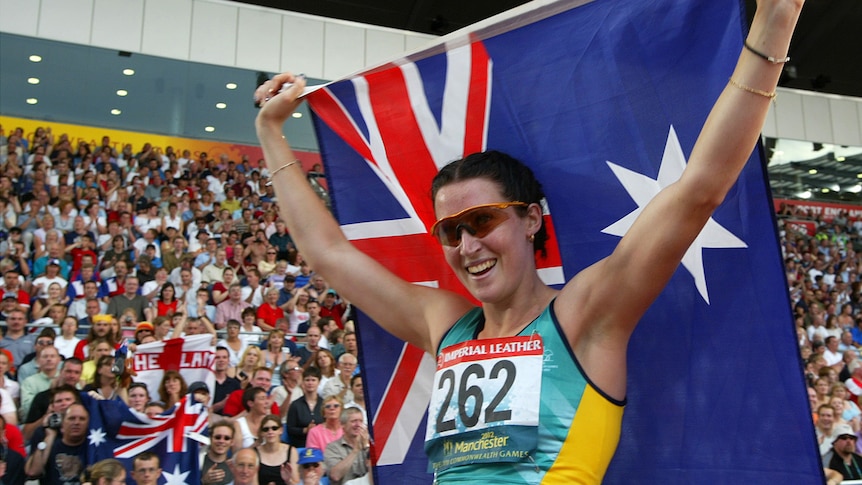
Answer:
(146, 456)
(165, 286)
(516, 181)
(66, 388)
(311, 371)
(249, 395)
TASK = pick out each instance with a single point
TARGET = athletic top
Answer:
(482, 421)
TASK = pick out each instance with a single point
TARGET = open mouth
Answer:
(481, 268)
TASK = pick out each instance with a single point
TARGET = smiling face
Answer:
(490, 267)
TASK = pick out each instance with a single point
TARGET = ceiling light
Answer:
(32, 100)
(859, 175)
(122, 92)
(129, 72)
(230, 85)
(209, 129)
(824, 190)
(221, 105)
(115, 111)
(835, 187)
(35, 58)
(840, 159)
(855, 189)
(297, 115)
(804, 195)
(812, 171)
(33, 80)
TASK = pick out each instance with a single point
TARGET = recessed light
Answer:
(122, 92)
(35, 58)
(230, 85)
(115, 111)
(33, 80)
(824, 190)
(297, 115)
(812, 171)
(129, 72)
(840, 159)
(209, 129)
(32, 100)
(221, 105)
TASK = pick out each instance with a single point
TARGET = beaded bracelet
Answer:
(279, 169)
(749, 89)
(761, 55)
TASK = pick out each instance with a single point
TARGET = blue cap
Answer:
(310, 455)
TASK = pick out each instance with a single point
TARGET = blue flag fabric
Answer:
(117, 431)
(604, 102)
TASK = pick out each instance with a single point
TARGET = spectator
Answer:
(332, 307)
(29, 366)
(146, 469)
(12, 464)
(269, 312)
(235, 346)
(347, 458)
(330, 430)
(257, 404)
(105, 472)
(340, 385)
(130, 299)
(245, 467)
(358, 401)
(172, 388)
(275, 353)
(53, 400)
(231, 309)
(104, 382)
(16, 340)
(70, 441)
(843, 458)
(261, 377)
(276, 458)
(48, 360)
(289, 390)
(305, 412)
(67, 341)
(99, 347)
(137, 396)
(312, 345)
(215, 469)
(8, 384)
(323, 360)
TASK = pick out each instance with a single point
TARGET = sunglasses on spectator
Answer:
(478, 220)
(223, 437)
(269, 428)
(332, 406)
(310, 465)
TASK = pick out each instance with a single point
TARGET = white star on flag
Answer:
(642, 189)
(96, 437)
(178, 477)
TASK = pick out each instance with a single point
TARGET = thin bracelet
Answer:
(763, 56)
(279, 169)
(758, 92)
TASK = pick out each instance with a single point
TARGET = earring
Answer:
(531, 237)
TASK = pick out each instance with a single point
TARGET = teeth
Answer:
(481, 267)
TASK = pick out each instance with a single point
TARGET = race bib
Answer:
(485, 402)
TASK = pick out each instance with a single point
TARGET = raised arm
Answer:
(607, 300)
(413, 313)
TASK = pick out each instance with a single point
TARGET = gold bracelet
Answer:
(751, 90)
(279, 169)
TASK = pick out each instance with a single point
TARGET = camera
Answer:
(55, 421)
(128, 320)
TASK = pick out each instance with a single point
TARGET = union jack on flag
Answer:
(117, 431)
(604, 102)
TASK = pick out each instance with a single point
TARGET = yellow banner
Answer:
(118, 138)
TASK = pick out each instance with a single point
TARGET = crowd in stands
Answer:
(101, 245)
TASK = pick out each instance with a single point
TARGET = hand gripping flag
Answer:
(604, 102)
(117, 431)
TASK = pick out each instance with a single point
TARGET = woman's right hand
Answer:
(276, 106)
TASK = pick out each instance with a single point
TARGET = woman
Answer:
(55, 296)
(490, 224)
(166, 305)
(256, 403)
(104, 382)
(249, 361)
(274, 354)
(162, 328)
(105, 472)
(99, 348)
(6, 382)
(172, 388)
(297, 310)
(275, 455)
(323, 360)
(269, 312)
(267, 265)
(67, 341)
(323, 434)
(235, 346)
(220, 287)
(138, 396)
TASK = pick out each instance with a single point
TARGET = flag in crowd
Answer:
(117, 431)
(192, 356)
(604, 102)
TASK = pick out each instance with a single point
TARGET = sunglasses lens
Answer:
(478, 222)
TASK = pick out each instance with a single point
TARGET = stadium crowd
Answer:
(102, 245)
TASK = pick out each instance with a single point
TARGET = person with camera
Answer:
(61, 457)
(61, 398)
(40, 408)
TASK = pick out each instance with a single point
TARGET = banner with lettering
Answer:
(824, 211)
(193, 356)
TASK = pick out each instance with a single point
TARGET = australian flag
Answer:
(117, 431)
(604, 100)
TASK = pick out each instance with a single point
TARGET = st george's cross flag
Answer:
(604, 101)
(117, 431)
(193, 356)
